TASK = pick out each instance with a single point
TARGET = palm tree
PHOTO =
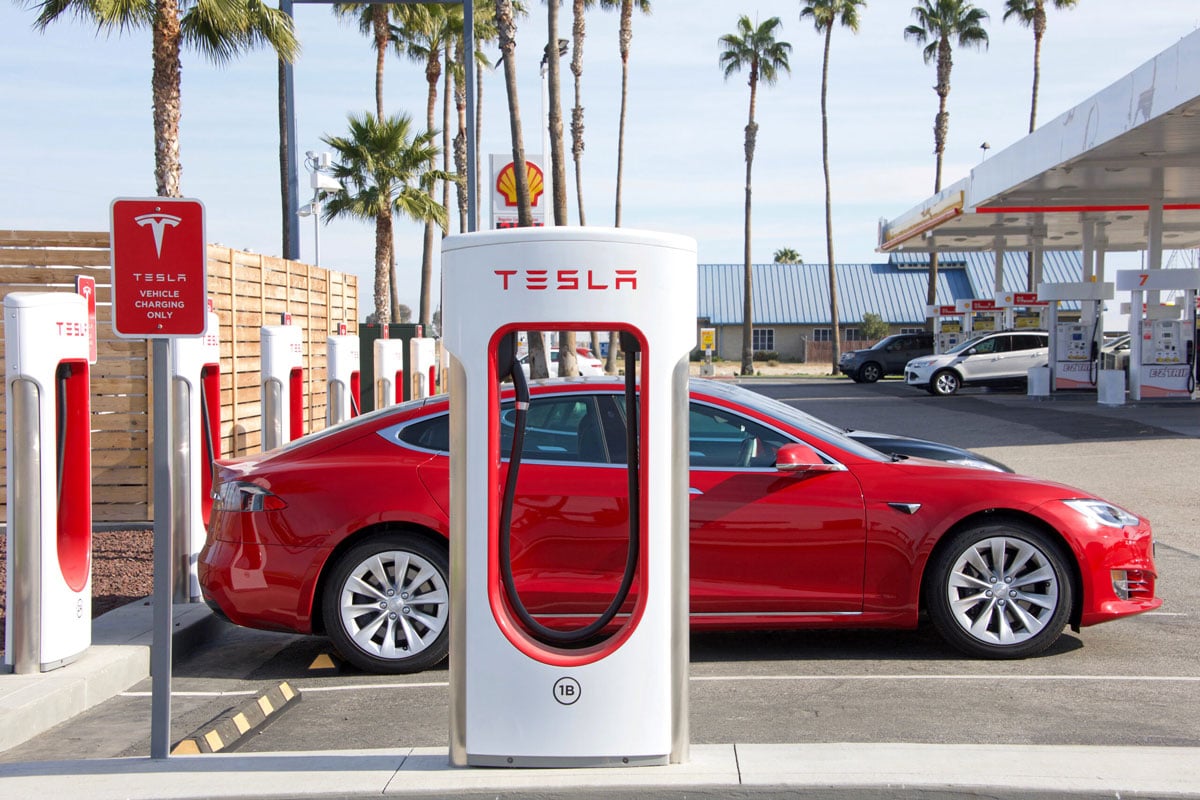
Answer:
(787, 255)
(578, 33)
(755, 49)
(1032, 14)
(218, 29)
(424, 33)
(938, 23)
(566, 339)
(624, 39)
(824, 14)
(385, 170)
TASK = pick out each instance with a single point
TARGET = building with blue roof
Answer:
(791, 301)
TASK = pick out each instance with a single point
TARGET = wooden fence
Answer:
(248, 291)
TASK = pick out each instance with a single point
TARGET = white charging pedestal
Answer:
(342, 369)
(422, 367)
(195, 445)
(516, 701)
(282, 385)
(48, 455)
(389, 372)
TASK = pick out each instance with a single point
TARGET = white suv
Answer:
(1004, 357)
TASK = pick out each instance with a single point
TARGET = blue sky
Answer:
(75, 122)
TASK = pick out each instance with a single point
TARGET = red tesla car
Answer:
(344, 532)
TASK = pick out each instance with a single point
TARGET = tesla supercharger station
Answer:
(195, 446)
(519, 697)
(342, 368)
(1074, 357)
(422, 367)
(1162, 338)
(389, 372)
(49, 462)
(282, 385)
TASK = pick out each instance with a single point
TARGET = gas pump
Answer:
(947, 326)
(195, 446)
(389, 372)
(613, 690)
(1162, 338)
(48, 456)
(422, 367)
(1074, 357)
(282, 385)
(342, 369)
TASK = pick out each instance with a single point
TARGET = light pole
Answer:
(316, 163)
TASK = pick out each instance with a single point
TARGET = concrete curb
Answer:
(224, 732)
(118, 659)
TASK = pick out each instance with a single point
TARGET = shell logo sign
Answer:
(506, 183)
(504, 191)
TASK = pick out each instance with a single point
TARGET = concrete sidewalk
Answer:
(713, 770)
(118, 658)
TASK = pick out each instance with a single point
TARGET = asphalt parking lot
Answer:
(1134, 682)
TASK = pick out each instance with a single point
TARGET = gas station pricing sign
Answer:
(159, 267)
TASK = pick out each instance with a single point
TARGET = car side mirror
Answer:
(801, 458)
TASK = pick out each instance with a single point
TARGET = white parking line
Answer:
(357, 687)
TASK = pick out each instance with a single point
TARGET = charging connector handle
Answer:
(578, 637)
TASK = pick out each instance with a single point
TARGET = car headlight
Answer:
(919, 363)
(245, 496)
(1103, 513)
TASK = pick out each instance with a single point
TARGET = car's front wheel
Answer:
(386, 604)
(870, 372)
(946, 382)
(1000, 591)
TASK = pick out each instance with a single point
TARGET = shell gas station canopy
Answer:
(1118, 172)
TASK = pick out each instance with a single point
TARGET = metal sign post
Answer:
(160, 292)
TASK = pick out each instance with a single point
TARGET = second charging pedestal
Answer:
(514, 700)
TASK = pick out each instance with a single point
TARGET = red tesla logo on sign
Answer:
(159, 274)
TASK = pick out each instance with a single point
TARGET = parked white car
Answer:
(1003, 357)
(584, 358)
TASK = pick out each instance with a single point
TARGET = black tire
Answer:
(402, 625)
(1020, 621)
(945, 383)
(855, 376)
(870, 372)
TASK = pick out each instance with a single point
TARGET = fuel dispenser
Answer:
(1162, 338)
(1075, 343)
(48, 455)
(342, 368)
(389, 372)
(195, 447)
(282, 385)
(947, 326)
(422, 367)
(612, 690)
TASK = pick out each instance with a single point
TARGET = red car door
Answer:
(764, 541)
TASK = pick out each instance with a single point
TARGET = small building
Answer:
(791, 301)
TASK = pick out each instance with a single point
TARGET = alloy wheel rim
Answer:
(394, 604)
(1002, 590)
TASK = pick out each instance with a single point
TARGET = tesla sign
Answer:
(159, 270)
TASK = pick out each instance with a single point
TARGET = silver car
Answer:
(999, 358)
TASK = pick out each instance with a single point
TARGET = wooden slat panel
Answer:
(54, 258)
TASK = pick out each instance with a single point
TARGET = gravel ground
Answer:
(122, 571)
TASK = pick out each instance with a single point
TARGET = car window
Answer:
(984, 347)
(721, 439)
(428, 434)
(1028, 341)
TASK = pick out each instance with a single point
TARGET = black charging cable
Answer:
(577, 637)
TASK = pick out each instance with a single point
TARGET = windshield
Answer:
(962, 346)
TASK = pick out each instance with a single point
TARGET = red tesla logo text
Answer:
(567, 280)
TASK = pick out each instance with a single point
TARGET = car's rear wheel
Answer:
(386, 604)
(946, 382)
(870, 372)
(1000, 591)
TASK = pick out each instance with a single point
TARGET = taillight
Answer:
(245, 496)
